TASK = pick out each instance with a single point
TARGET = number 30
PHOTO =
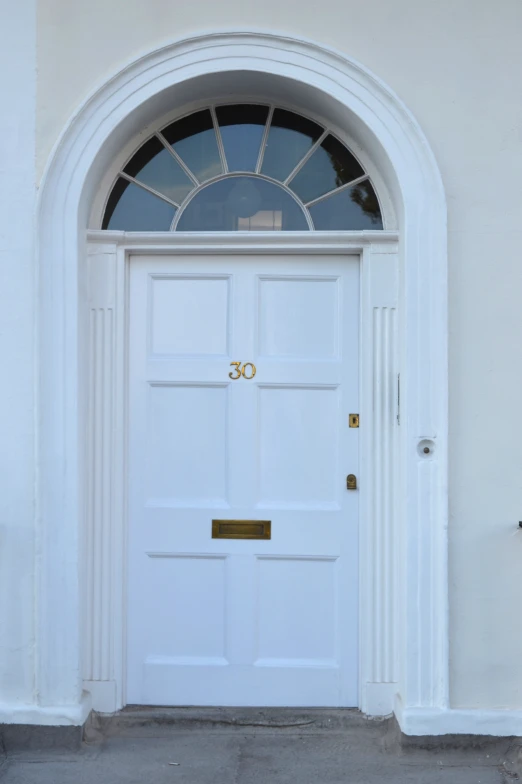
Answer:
(241, 370)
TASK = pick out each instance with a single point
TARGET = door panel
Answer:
(229, 621)
(314, 302)
(179, 415)
(298, 446)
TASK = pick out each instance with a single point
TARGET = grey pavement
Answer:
(257, 750)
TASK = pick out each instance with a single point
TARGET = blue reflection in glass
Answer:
(353, 209)
(242, 128)
(194, 140)
(242, 204)
(156, 167)
(289, 139)
(330, 166)
(135, 209)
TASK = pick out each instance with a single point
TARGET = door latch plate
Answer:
(351, 482)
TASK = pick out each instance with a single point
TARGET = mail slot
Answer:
(241, 529)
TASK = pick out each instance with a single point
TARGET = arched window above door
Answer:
(243, 167)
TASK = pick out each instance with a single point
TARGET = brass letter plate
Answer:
(241, 529)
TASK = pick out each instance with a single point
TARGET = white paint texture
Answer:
(276, 620)
(330, 83)
(455, 65)
(17, 388)
(105, 550)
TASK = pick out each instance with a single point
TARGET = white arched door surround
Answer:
(403, 650)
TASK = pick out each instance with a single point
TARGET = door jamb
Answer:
(104, 336)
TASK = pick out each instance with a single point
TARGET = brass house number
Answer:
(241, 370)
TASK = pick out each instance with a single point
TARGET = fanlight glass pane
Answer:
(289, 139)
(242, 204)
(352, 209)
(156, 167)
(194, 140)
(242, 127)
(330, 166)
(131, 208)
(307, 175)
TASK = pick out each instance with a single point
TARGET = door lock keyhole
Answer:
(351, 482)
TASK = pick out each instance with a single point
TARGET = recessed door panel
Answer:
(186, 430)
(269, 619)
(300, 629)
(298, 446)
(299, 317)
(170, 579)
(188, 315)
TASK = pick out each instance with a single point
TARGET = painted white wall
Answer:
(17, 319)
(456, 66)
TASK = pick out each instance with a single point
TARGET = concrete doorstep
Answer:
(249, 746)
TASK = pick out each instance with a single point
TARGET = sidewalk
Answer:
(254, 747)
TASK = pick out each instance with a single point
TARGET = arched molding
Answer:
(400, 150)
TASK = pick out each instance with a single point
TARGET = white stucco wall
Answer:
(457, 67)
(17, 321)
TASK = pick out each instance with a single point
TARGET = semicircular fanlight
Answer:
(242, 203)
(243, 167)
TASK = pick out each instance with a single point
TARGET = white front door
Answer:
(227, 621)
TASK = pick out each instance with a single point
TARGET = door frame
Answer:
(106, 321)
(335, 86)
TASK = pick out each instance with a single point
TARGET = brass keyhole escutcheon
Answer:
(241, 370)
(351, 482)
